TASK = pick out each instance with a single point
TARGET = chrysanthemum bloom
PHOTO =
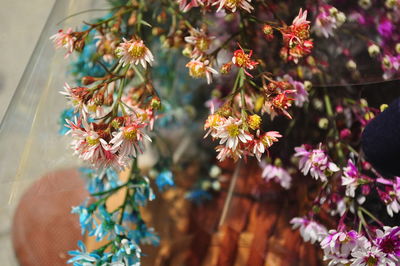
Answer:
(212, 122)
(75, 96)
(225, 152)
(185, 6)
(233, 5)
(106, 45)
(276, 173)
(263, 142)
(199, 69)
(388, 241)
(231, 133)
(134, 52)
(241, 59)
(200, 41)
(279, 104)
(90, 146)
(300, 95)
(366, 254)
(328, 19)
(338, 246)
(127, 141)
(350, 178)
(296, 38)
(309, 230)
(65, 40)
(316, 162)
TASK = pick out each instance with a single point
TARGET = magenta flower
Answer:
(316, 162)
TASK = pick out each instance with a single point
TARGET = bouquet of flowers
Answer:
(280, 84)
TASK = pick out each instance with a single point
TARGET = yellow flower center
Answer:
(137, 50)
(92, 141)
(233, 130)
(197, 70)
(254, 121)
(232, 3)
(203, 44)
(130, 134)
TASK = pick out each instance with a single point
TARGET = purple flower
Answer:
(385, 28)
(316, 162)
(350, 178)
(278, 174)
(338, 246)
(388, 242)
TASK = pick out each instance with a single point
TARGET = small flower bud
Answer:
(254, 121)
(268, 32)
(87, 80)
(397, 48)
(383, 107)
(155, 103)
(345, 133)
(351, 65)
(365, 4)
(390, 3)
(187, 51)
(226, 68)
(307, 85)
(373, 50)
(386, 62)
(323, 123)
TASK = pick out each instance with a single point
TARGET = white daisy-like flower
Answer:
(134, 52)
(65, 40)
(309, 230)
(233, 5)
(200, 69)
(231, 133)
(127, 142)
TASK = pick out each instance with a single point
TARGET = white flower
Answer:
(350, 178)
(316, 162)
(134, 52)
(65, 40)
(199, 69)
(309, 229)
(231, 133)
(233, 5)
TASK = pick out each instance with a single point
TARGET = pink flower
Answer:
(127, 142)
(91, 147)
(134, 52)
(65, 40)
(231, 133)
(388, 242)
(338, 246)
(224, 152)
(278, 174)
(350, 178)
(234, 5)
(316, 162)
(200, 41)
(241, 59)
(185, 6)
(263, 142)
(199, 69)
(309, 229)
(328, 19)
(300, 94)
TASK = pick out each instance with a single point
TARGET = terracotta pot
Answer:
(44, 229)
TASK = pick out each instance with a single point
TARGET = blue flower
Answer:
(107, 225)
(85, 218)
(165, 178)
(198, 196)
(82, 257)
(144, 235)
(128, 254)
(143, 192)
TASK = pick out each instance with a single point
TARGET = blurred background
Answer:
(21, 22)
